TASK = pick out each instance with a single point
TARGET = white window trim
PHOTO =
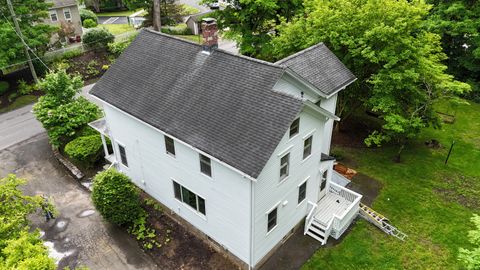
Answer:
(200, 166)
(309, 134)
(268, 212)
(281, 180)
(120, 154)
(69, 12)
(289, 129)
(185, 205)
(303, 148)
(53, 11)
(285, 151)
(298, 190)
(166, 150)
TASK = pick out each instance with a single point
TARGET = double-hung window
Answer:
(272, 220)
(53, 16)
(188, 197)
(67, 14)
(295, 127)
(307, 147)
(123, 155)
(170, 146)
(284, 166)
(205, 165)
(302, 192)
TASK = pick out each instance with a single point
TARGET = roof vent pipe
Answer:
(209, 34)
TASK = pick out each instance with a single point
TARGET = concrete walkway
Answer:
(78, 236)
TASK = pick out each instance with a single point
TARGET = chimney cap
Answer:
(209, 20)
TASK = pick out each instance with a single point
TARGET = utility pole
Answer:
(25, 46)
(157, 23)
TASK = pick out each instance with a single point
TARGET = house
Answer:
(194, 22)
(235, 146)
(65, 15)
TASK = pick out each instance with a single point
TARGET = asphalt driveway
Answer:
(78, 236)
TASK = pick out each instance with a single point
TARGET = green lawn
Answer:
(189, 10)
(194, 38)
(117, 13)
(118, 28)
(19, 102)
(429, 201)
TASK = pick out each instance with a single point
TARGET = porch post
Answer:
(104, 142)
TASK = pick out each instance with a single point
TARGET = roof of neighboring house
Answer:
(320, 67)
(198, 16)
(220, 103)
(62, 3)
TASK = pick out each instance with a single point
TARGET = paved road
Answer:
(19, 125)
(78, 236)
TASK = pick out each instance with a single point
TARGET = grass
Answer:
(429, 201)
(189, 10)
(117, 13)
(117, 29)
(19, 102)
(194, 38)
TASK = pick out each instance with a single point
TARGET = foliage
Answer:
(89, 23)
(471, 258)
(181, 29)
(19, 249)
(398, 63)
(171, 12)
(98, 38)
(92, 69)
(142, 232)
(3, 87)
(31, 15)
(86, 14)
(67, 29)
(152, 203)
(86, 149)
(253, 23)
(19, 102)
(63, 120)
(72, 53)
(12, 96)
(61, 86)
(116, 197)
(189, 10)
(458, 23)
(24, 88)
(117, 48)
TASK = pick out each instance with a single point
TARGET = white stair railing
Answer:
(309, 218)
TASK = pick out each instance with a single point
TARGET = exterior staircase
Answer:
(318, 231)
(380, 221)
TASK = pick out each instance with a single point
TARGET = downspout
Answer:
(250, 265)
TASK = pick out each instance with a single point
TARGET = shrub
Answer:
(3, 87)
(92, 69)
(72, 54)
(180, 29)
(97, 38)
(89, 23)
(12, 96)
(86, 150)
(86, 14)
(117, 48)
(24, 88)
(116, 197)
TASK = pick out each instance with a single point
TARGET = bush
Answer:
(72, 54)
(180, 29)
(86, 150)
(12, 96)
(97, 38)
(86, 14)
(3, 87)
(116, 197)
(89, 23)
(117, 48)
(25, 88)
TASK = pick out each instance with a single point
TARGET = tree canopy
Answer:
(30, 15)
(386, 45)
(471, 258)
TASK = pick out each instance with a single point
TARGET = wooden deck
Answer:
(329, 205)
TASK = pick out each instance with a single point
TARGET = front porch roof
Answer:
(100, 125)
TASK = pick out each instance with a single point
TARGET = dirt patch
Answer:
(463, 190)
(180, 249)
(90, 65)
(367, 186)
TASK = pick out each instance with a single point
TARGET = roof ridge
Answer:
(171, 36)
(279, 62)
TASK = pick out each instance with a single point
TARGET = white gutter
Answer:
(180, 141)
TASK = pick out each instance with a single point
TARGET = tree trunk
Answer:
(96, 5)
(397, 158)
(157, 24)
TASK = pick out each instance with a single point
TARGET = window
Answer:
(169, 146)
(302, 192)
(123, 155)
(307, 147)
(323, 181)
(53, 15)
(284, 164)
(67, 14)
(186, 196)
(272, 220)
(295, 127)
(205, 165)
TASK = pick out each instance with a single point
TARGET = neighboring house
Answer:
(65, 14)
(236, 146)
(194, 22)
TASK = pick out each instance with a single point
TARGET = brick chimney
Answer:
(209, 34)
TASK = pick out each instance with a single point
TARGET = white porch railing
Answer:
(311, 214)
(339, 222)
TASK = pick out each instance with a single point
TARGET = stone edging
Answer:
(74, 171)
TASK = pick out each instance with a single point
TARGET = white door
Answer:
(323, 184)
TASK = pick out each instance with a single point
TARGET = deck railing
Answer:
(339, 222)
(311, 214)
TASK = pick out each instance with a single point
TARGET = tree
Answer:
(116, 197)
(61, 86)
(397, 61)
(88, 14)
(30, 15)
(66, 30)
(19, 248)
(458, 23)
(471, 258)
(253, 23)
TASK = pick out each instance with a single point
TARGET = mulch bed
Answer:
(80, 64)
(180, 248)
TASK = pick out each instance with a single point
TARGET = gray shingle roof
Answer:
(222, 104)
(320, 67)
(63, 3)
